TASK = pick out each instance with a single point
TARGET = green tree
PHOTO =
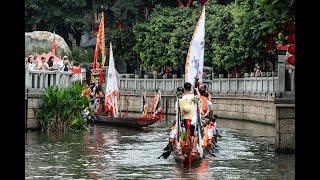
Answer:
(237, 34)
(165, 37)
(65, 16)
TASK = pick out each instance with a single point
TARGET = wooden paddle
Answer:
(211, 153)
(167, 152)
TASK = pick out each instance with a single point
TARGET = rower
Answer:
(211, 130)
(216, 132)
(179, 94)
(173, 134)
(203, 102)
(210, 106)
(205, 132)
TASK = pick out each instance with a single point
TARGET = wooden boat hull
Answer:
(128, 121)
(191, 159)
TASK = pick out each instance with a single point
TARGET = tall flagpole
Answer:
(54, 46)
(99, 42)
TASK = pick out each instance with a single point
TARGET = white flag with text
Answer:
(112, 90)
(195, 56)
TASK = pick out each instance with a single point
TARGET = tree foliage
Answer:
(157, 32)
(63, 16)
(165, 37)
(237, 34)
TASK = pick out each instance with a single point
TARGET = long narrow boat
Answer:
(193, 73)
(189, 159)
(133, 122)
(111, 93)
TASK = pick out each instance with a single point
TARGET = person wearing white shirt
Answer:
(176, 107)
(210, 105)
(188, 109)
(29, 64)
(43, 65)
(211, 130)
(173, 135)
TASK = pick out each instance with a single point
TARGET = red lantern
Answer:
(292, 49)
(291, 38)
(292, 60)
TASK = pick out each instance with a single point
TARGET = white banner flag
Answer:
(194, 61)
(112, 90)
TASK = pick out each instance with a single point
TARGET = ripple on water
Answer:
(119, 153)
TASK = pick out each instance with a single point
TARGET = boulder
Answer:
(41, 42)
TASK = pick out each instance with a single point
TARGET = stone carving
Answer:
(43, 40)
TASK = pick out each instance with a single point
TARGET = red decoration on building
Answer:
(270, 43)
(292, 49)
(281, 47)
(292, 60)
(291, 38)
(292, 28)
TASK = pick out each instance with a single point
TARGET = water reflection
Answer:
(245, 152)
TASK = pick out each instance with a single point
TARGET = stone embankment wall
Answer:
(245, 108)
(32, 103)
(253, 109)
(285, 126)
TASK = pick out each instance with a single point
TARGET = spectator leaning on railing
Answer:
(257, 70)
(66, 64)
(29, 64)
(43, 65)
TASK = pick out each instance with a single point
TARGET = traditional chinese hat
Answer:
(187, 108)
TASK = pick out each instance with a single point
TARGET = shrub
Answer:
(61, 109)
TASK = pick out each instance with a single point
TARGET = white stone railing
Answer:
(150, 84)
(38, 79)
(223, 85)
(246, 84)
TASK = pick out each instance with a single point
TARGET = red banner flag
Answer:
(100, 44)
(54, 45)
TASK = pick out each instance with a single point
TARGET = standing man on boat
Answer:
(179, 93)
(188, 107)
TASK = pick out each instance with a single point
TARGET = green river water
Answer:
(246, 151)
